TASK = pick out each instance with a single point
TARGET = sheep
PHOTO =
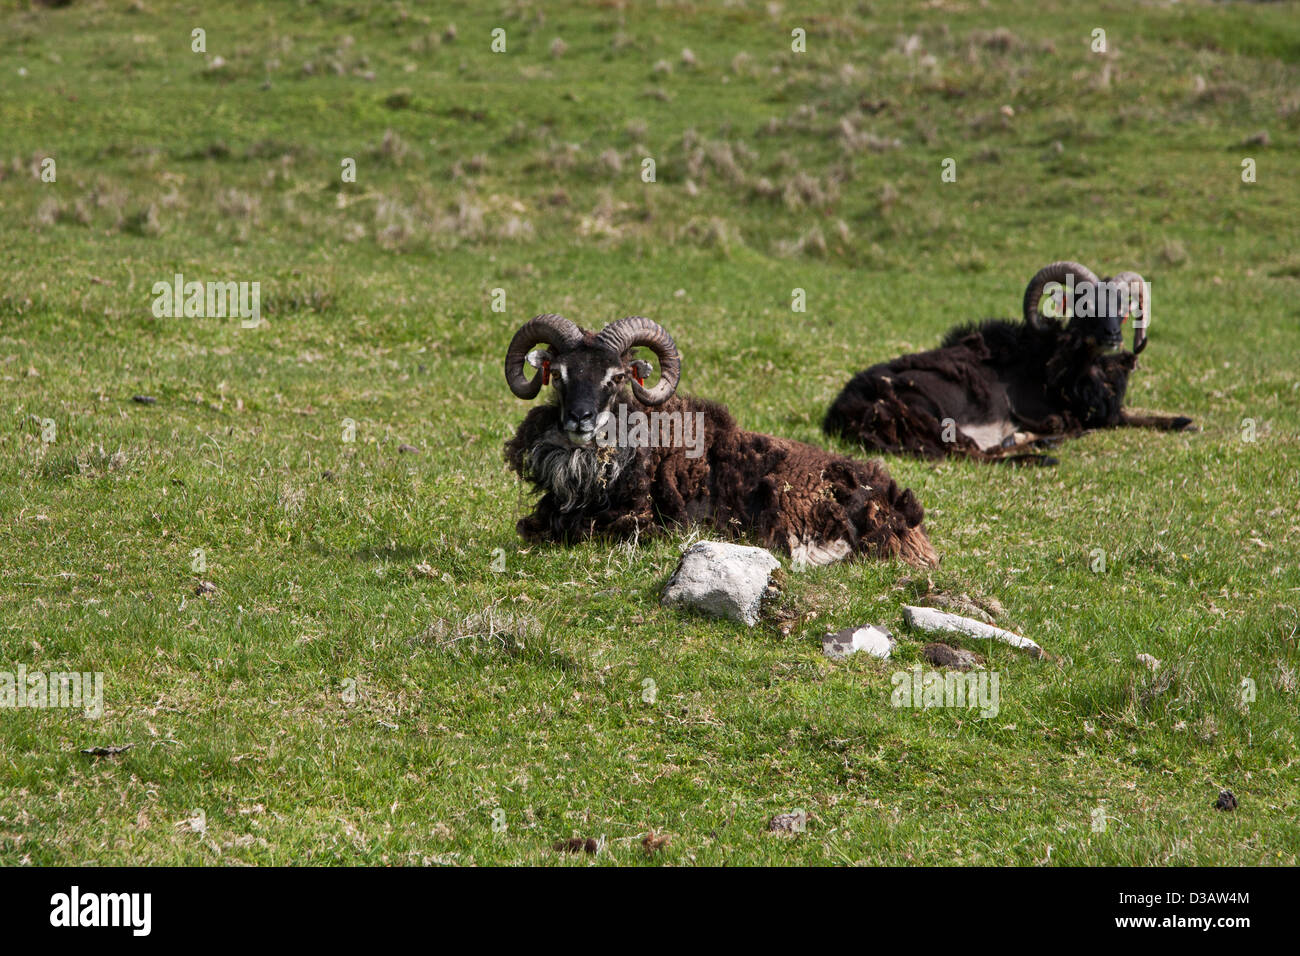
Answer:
(613, 458)
(998, 390)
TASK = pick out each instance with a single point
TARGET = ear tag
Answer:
(546, 371)
(640, 380)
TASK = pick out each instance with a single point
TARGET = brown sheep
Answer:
(613, 458)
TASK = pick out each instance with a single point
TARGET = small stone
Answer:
(876, 641)
(407, 450)
(1227, 801)
(111, 750)
(941, 655)
(1149, 662)
(144, 399)
(788, 823)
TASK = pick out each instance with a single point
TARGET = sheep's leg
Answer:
(634, 525)
(808, 550)
(549, 524)
(1164, 423)
(1020, 454)
(538, 526)
(1033, 459)
(1032, 439)
(1021, 448)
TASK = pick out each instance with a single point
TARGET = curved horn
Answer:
(551, 329)
(1134, 284)
(636, 330)
(1056, 272)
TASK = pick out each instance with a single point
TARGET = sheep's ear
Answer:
(1053, 299)
(536, 357)
(641, 369)
(1060, 308)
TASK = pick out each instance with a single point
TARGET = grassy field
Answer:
(384, 672)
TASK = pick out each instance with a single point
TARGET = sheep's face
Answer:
(587, 380)
(1100, 332)
(1097, 308)
(1100, 310)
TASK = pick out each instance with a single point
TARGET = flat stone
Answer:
(876, 641)
(932, 621)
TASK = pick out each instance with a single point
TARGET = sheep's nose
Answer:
(580, 421)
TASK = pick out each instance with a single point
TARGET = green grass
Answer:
(341, 565)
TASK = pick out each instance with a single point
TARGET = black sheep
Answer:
(999, 389)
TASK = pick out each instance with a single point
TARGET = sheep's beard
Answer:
(576, 475)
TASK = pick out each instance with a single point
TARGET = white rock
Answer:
(928, 619)
(876, 641)
(722, 580)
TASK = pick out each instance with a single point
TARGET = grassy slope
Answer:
(520, 171)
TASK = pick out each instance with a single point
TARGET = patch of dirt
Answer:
(653, 842)
(576, 845)
(941, 655)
